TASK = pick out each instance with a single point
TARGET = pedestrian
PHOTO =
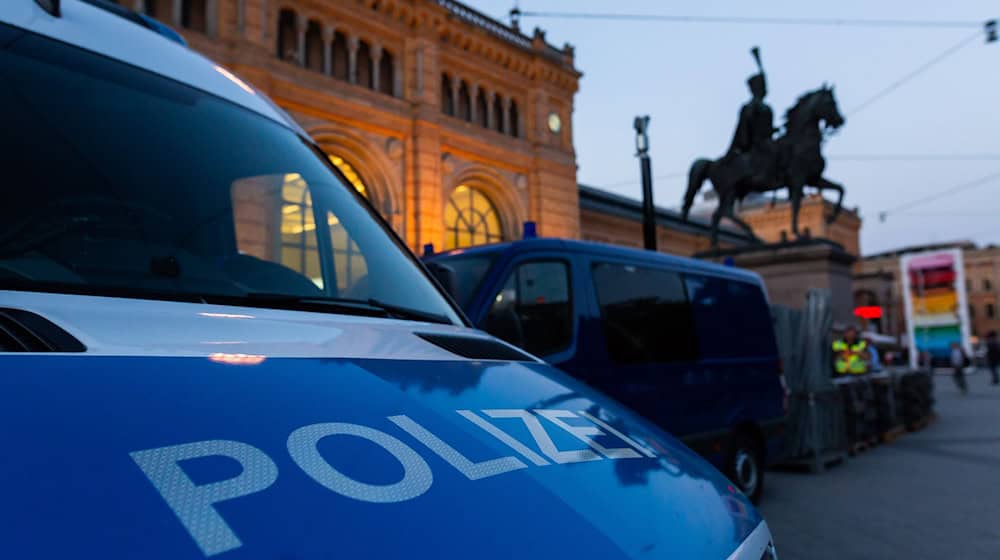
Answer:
(959, 361)
(850, 354)
(993, 355)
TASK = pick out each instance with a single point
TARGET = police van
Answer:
(212, 346)
(688, 344)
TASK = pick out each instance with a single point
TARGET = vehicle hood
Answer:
(258, 456)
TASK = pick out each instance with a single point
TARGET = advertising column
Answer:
(936, 303)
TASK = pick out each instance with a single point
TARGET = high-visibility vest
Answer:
(850, 357)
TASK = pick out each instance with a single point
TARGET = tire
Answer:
(745, 465)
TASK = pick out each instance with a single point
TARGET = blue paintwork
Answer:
(72, 491)
(702, 402)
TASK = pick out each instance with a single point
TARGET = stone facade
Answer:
(773, 223)
(417, 97)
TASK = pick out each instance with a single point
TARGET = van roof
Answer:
(110, 32)
(605, 249)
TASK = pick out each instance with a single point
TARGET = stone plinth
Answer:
(790, 269)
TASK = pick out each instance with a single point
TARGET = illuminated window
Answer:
(470, 219)
(351, 175)
(298, 229)
(299, 249)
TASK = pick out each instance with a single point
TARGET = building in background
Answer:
(877, 283)
(456, 127)
(772, 222)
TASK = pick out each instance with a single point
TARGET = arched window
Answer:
(352, 176)
(386, 73)
(464, 102)
(470, 219)
(514, 127)
(194, 15)
(314, 46)
(447, 99)
(482, 109)
(498, 113)
(364, 65)
(987, 285)
(339, 56)
(288, 47)
(350, 266)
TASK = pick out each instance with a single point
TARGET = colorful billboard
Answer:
(936, 303)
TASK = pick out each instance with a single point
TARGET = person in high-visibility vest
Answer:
(850, 354)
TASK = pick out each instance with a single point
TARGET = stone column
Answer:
(241, 16)
(328, 33)
(212, 17)
(352, 59)
(397, 75)
(505, 104)
(263, 20)
(301, 23)
(376, 60)
(456, 109)
(176, 15)
(473, 97)
(139, 6)
(490, 117)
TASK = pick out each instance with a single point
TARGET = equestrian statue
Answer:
(759, 162)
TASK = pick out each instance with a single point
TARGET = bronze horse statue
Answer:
(797, 163)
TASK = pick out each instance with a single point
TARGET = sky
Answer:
(690, 79)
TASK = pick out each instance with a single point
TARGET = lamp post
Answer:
(641, 125)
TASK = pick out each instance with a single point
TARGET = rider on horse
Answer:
(753, 149)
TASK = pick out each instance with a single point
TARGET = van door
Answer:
(650, 346)
(533, 307)
(737, 348)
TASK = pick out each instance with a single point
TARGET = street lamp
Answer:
(641, 125)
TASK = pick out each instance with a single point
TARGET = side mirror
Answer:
(446, 276)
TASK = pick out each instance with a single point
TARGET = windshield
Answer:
(118, 181)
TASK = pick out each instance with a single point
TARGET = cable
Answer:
(920, 69)
(831, 22)
(913, 157)
(960, 187)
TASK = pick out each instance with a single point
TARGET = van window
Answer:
(645, 314)
(145, 187)
(469, 274)
(533, 309)
(731, 317)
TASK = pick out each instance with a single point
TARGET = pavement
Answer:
(930, 494)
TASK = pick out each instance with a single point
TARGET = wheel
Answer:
(745, 465)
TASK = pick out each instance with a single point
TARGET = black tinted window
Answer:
(732, 318)
(645, 314)
(469, 274)
(533, 310)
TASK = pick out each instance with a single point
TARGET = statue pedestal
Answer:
(790, 269)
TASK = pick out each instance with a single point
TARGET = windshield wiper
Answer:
(370, 306)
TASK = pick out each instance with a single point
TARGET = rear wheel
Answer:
(745, 466)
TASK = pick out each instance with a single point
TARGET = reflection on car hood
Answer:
(277, 457)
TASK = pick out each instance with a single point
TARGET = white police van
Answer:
(211, 346)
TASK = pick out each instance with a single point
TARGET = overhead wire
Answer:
(940, 194)
(916, 72)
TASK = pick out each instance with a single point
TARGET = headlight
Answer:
(757, 546)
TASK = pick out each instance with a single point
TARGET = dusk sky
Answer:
(690, 79)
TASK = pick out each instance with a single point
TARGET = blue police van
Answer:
(211, 346)
(689, 345)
